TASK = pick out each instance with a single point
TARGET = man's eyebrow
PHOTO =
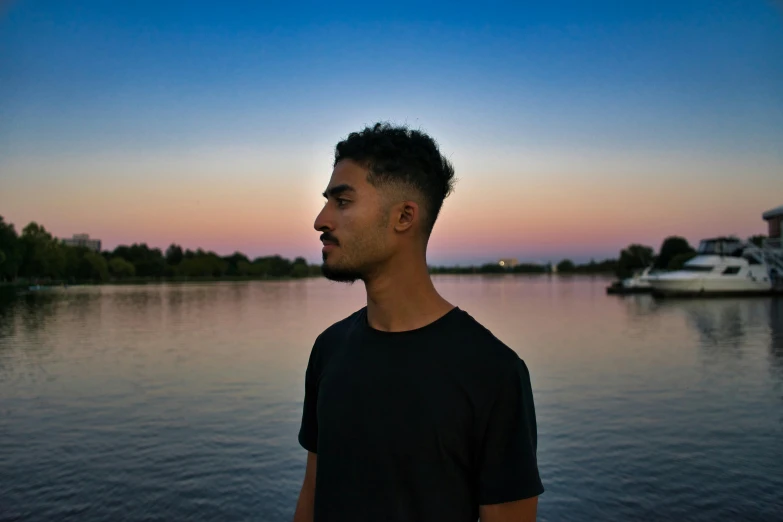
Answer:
(337, 190)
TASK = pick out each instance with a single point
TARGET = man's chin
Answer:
(339, 275)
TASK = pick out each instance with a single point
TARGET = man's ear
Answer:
(406, 214)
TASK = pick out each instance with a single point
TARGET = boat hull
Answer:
(721, 293)
(705, 287)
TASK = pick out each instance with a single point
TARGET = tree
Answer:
(36, 253)
(260, 267)
(33, 239)
(44, 256)
(204, 264)
(758, 240)
(300, 270)
(632, 258)
(678, 261)
(148, 262)
(56, 260)
(244, 268)
(120, 268)
(94, 267)
(12, 251)
(565, 266)
(492, 268)
(73, 261)
(274, 266)
(593, 267)
(174, 255)
(233, 262)
(672, 246)
(528, 268)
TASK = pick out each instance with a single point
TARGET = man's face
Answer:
(354, 225)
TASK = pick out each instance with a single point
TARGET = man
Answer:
(413, 411)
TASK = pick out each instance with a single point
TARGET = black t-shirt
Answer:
(423, 425)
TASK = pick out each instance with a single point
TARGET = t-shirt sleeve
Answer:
(308, 431)
(508, 468)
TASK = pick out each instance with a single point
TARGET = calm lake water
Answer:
(183, 401)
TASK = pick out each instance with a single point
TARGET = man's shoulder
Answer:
(479, 341)
(332, 339)
(339, 330)
(484, 363)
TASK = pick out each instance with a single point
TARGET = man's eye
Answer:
(341, 202)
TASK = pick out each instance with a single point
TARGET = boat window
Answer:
(721, 247)
(731, 270)
(697, 268)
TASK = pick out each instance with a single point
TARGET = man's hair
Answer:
(397, 155)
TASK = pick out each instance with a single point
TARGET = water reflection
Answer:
(725, 328)
(8, 299)
(21, 315)
(148, 397)
(720, 325)
(776, 337)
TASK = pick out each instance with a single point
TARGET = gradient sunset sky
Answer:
(575, 128)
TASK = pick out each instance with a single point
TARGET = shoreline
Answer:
(180, 280)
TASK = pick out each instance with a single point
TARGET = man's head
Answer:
(386, 191)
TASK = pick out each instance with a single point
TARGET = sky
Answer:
(575, 128)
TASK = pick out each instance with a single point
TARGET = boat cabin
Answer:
(721, 246)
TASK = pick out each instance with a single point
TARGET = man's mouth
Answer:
(328, 241)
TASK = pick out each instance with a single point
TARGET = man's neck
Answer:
(403, 299)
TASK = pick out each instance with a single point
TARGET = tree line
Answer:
(565, 266)
(36, 255)
(674, 252)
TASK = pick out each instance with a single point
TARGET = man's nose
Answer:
(322, 221)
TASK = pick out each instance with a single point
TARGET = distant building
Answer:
(774, 218)
(508, 262)
(83, 240)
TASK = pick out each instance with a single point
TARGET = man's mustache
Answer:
(326, 236)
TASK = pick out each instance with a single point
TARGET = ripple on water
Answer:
(183, 402)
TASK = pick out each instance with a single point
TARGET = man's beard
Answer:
(340, 275)
(367, 244)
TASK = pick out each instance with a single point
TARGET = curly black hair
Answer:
(397, 154)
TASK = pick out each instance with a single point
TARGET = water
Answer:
(182, 402)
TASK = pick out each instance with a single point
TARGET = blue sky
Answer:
(516, 93)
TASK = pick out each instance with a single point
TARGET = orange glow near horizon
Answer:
(261, 215)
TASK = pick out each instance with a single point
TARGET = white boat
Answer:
(729, 266)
